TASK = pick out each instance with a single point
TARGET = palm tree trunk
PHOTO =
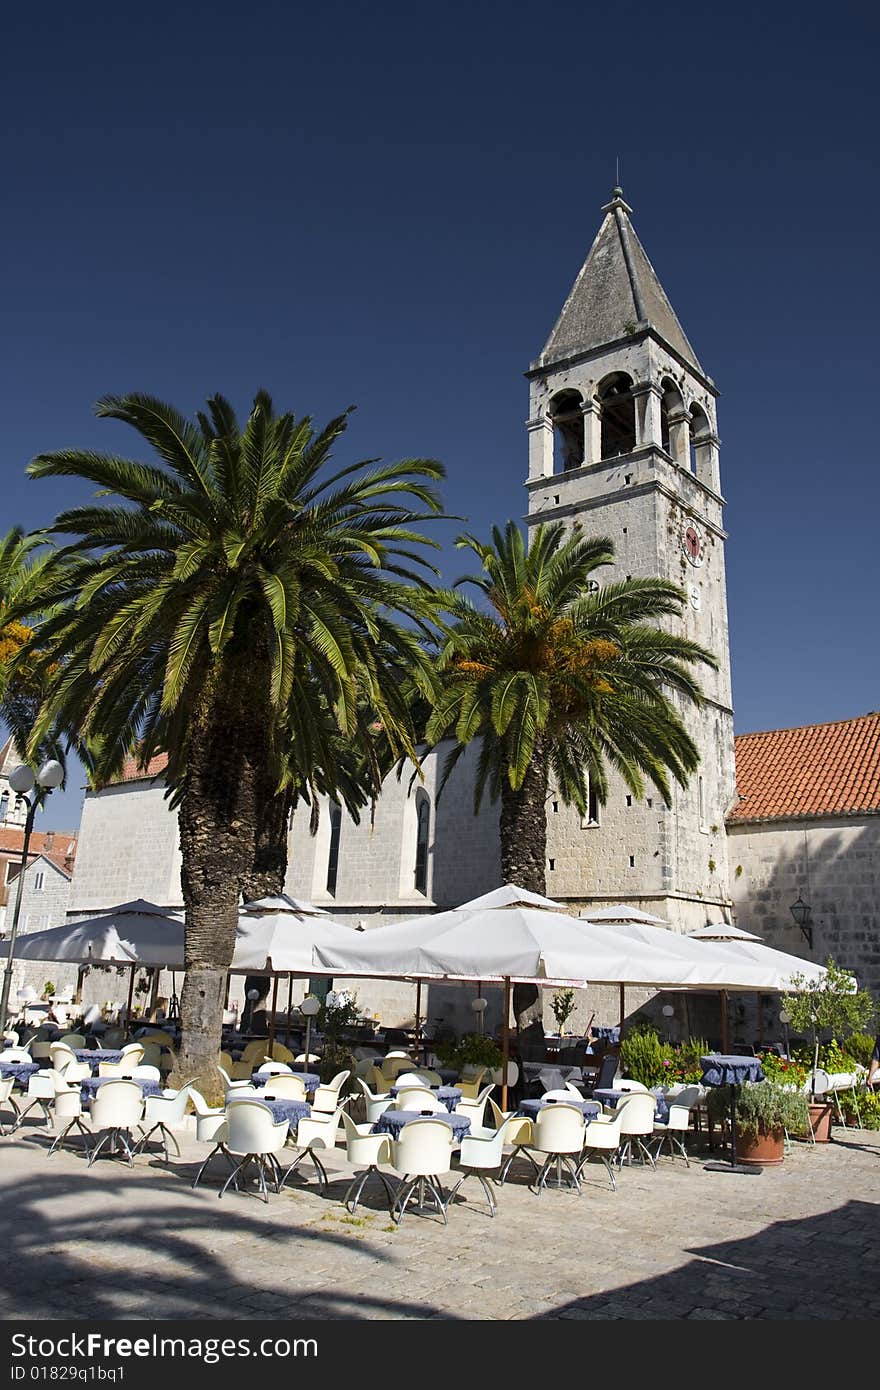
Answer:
(268, 872)
(524, 863)
(228, 753)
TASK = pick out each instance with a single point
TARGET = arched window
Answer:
(423, 825)
(4, 806)
(671, 404)
(333, 856)
(618, 415)
(568, 430)
(700, 431)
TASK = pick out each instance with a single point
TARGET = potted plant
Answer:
(833, 1004)
(339, 1012)
(765, 1110)
(48, 990)
(562, 1005)
(644, 1058)
(472, 1050)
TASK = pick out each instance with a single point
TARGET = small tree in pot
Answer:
(764, 1112)
(834, 1004)
(562, 1005)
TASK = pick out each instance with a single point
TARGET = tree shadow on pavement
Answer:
(825, 1266)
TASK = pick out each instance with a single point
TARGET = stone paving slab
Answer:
(799, 1241)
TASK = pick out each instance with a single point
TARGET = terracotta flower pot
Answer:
(764, 1149)
(820, 1120)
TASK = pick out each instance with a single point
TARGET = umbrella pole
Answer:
(289, 1006)
(272, 1019)
(622, 1008)
(725, 1043)
(130, 997)
(418, 1016)
(505, 1044)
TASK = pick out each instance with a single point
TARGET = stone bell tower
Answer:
(623, 440)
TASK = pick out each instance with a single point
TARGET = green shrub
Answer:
(473, 1049)
(762, 1106)
(860, 1047)
(686, 1065)
(644, 1058)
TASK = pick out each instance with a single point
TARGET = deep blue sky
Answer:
(387, 205)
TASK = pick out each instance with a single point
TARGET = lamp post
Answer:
(668, 1013)
(785, 1020)
(22, 781)
(479, 1006)
(309, 1007)
(800, 911)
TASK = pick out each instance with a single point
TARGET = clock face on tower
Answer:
(692, 545)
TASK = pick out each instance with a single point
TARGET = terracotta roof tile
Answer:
(816, 770)
(133, 772)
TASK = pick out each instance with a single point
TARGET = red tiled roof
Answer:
(132, 772)
(12, 842)
(817, 770)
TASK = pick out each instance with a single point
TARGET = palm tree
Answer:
(223, 590)
(558, 676)
(25, 565)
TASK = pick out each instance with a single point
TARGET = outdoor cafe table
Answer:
(148, 1087)
(450, 1095)
(310, 1079)
(392, 1122)
(588, 1108)
(290, 1110)
(610, 1097)
(94, 1055)
(729, 1069)
(21, 1072)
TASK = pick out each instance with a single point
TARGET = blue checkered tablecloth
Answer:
(450, 1095)
(608, 1096)
(91, 1085)
(19, 1071)
(290, 1110)
(309, 1079)
(725, 1069)
(392, 1122)
(588, 1108)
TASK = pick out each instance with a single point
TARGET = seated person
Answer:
(874, 1068)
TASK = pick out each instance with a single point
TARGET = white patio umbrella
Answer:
(621, 912)
(138, 932)
(777, 966)
(277, 936)
(511, 934)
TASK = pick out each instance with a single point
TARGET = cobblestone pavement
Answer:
(799, 1241)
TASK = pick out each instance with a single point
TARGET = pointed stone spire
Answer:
(616, 294)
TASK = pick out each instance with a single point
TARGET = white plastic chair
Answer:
(673, 1130)
(418, 1098)
(312, 1134)
(211, 1128)
(627, 1085)
(253, 1137)
(61, 1057)
(15, 1054)
(68, 1113)
(116, 1109)
(421, 1154)
(40, 1094)
(602, 1137)
(160, 1112)
(375, 1104)
(270, 1068)
(73, 1039)
(558, 1132)
(304, 1060)
(145, 1073)
(234, 1085)
(482, 1153)
(636, 1112)
(415, 1078)
(326, 1098)
(362, 1147)
(7, 1098)
(284, 1088)
(475, 1110)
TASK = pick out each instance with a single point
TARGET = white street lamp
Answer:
(22, 781)
(479, 1006)
(309, 1007)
